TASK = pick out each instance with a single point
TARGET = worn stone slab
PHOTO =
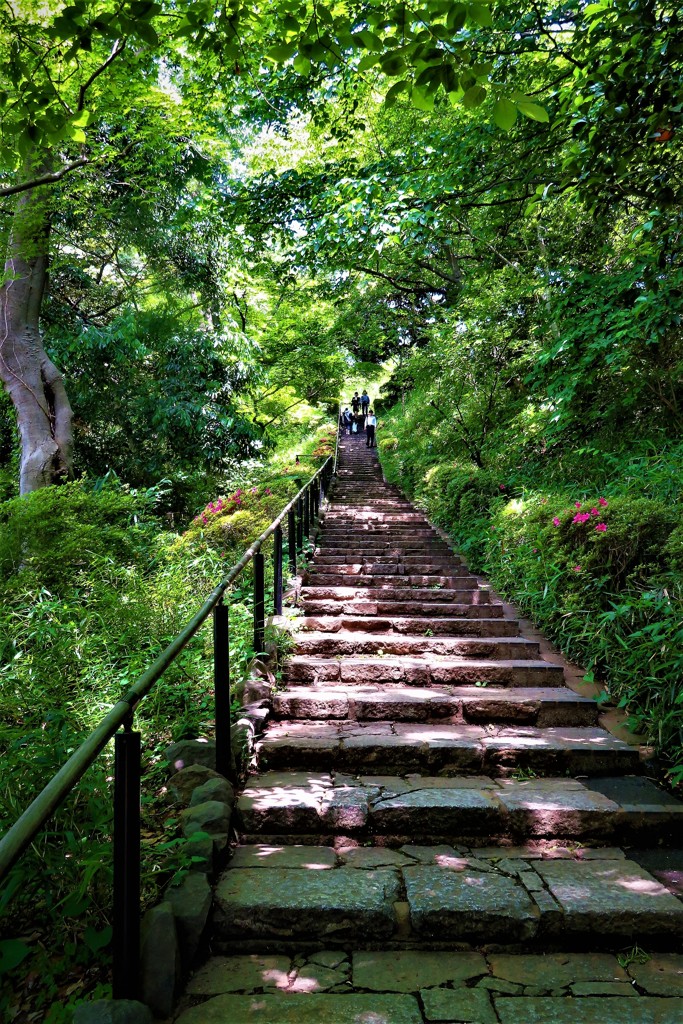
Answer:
(305, 1009)
(468, 906)
(609, 900)
(588, 750)
(345, 809)
(284, 801)
(588, 1010)
(369, 857)
(263, 856)
(240, 974)
(464, 1005)
(330, 958)
(432, 854)
(410, 970)
(319, 978)
(537, 812)
(296, 903)
(439, 810)
(666, 865)
(662, 975)
(602, 988)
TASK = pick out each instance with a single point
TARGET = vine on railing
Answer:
(300, 516)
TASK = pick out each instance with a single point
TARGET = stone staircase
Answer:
(433, 800)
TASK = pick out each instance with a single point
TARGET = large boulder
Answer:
(182, 785)
(113, 1011)
(159, 959)
(191, 902)
(186, 752)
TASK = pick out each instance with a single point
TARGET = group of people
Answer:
(360, 418)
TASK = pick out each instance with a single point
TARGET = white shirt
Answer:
(371, 421)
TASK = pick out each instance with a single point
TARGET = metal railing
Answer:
(301, 514)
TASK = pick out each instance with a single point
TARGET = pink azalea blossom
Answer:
(501, 487)
(577, 504)
(556, 521)
(581, 517)
(534, 551)
(577, 568)
(602, 501)
(595, 512)
(601, 527)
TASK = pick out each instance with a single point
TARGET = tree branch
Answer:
(44, 179)
(117, 50)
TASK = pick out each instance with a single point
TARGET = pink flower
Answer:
(594, 512)
(501, 487)
(534, 551)
(556, 521)
(601, 527)
(577, 504)
(577, 568)
(603, 502)
(581, 517)
(254, 490)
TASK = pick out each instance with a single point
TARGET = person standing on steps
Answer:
(371, 425)
(365, 404)
(346, 421)
(355, 403)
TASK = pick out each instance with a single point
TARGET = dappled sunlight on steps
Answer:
(433, 804)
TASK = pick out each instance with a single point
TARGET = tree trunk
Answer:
(35, 385)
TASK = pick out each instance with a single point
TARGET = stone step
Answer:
(347, 986)
(472, 811)
(370, 550)
(414, 626)
(404, 563)
(396, 596)
(320, 578)
(423, 671)
(538, 706)
(433, 609)
(397, 747)
(355, 643)
(374, 533)
(441, 898)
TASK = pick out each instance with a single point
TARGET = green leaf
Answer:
(12, 952)
(282, 52)
(368, 61)
(504, 113)
(532, 110)
(302, 65)
(368, 41)
(81, 119)
(474, 97)
(393, 65)
(422, 100)
(480, 15)
(394, 93)
(147, 33)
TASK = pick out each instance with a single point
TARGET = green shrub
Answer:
(53, 533)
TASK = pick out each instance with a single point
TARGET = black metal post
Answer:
(300, 524)
(277, 570)
(221, 689)
(259, 603)
(291, 540)
(306, 514)
(126, 914)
